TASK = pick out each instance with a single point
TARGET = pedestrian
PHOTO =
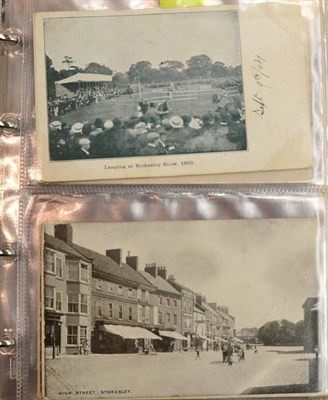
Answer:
(224, 353)
(229, 354)
(197, 354)
(85, 348)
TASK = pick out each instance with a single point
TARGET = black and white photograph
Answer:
(130, 91)
(181, 309)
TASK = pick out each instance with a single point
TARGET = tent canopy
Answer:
(172, 335)
(130, 332)
(221, 340)
(86, 78)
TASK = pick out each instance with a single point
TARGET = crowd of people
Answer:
(82, 97)
(153, 131)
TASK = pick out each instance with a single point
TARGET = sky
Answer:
(261, 269)
(119, 41)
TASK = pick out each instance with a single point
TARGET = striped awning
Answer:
(130, 332)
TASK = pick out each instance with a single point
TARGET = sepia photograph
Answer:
(181, 309)
(130, 91)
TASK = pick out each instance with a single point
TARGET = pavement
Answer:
(270, 370)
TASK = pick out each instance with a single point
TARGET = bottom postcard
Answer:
(181, 309)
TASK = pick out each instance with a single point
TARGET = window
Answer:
(175, 320)
(50, 297)
(50, 261)
(160, 300)
(143, 296)
(139, 294)
(58, 301)
(147, 296)
(98, 284)
(168, 302)
(120, 290)
(110, 287)
(73, 302)
(147, 315)
(99, 309)
(130, 293)
(84, 273)
(160, 319)
(139, 313)
(120, 312)
(143, 313)
(84, 303)
(175, 302)
(130, 313)
(168, 317)
(71, 334)
(110, 310)
(83, 334)
(73, 270)
(59, 267)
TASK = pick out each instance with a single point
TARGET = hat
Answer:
(195, 123)
(152, 136)
(108, 124)
(176, 122)
(56, 124)
(166, 123)
(140, 125)
(77, 127)
(84, 141)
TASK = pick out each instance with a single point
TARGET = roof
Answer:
(198, 308)
(60, 245)
(105, 265)
(79, 77)
(160, 283)
(178, 285)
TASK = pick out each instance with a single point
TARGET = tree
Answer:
(120, 79)
(219, 70)
(95, 68)
(268, 332)
(68, 60)
(283, 333)
(299, 332)
(140, 71)
(52, 77)
(171, 70)
(199, 66)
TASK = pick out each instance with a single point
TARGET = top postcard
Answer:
(186, 92)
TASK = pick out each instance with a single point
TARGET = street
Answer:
(270, 370)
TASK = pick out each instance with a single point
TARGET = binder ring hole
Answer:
(11, 39)
(9, 124)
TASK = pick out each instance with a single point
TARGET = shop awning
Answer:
(130, 332)
(172, 335)
(237, 340)
(206, 338)
(221, 340)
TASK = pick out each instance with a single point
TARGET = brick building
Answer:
(67, 294)
(169, 308)
(187, 309)
(311, 321)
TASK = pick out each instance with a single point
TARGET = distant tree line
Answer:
(283, 333)
(197, 67)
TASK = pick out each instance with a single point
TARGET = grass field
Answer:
(188, 103)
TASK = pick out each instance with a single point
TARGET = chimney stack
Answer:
(171, 278)
(132, 261)
(162, 272)
(115, 255)
(199, 299)
(213, 305)
(152, 269)
(64, 232)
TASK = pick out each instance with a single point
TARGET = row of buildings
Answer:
(119, 307)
